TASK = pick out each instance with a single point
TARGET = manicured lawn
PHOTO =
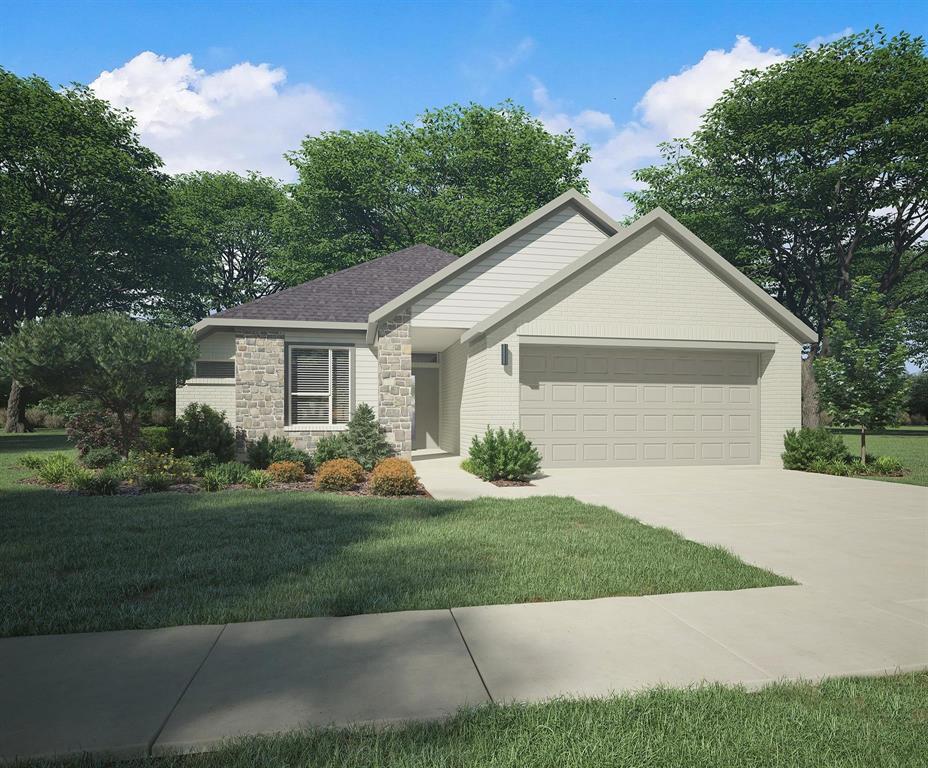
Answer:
(911, 449)
(842, 723)
(70, 564)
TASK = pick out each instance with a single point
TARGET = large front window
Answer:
(320, 385)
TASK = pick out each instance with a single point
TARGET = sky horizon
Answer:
(232, 86)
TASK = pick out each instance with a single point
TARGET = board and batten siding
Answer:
(650, 288)
(508, 272)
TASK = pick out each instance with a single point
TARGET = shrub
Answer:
(339, 475)
(93, 429)
(98, 458)
(258, 478)
(56, 468)
(156, 481)
(201, 429)
(287, 471)
(203, 462)
(35, 417)
(231, 472)
(365, 438)
(161, 417)
(808, 445)
(156, 439)
(146, 464)
(329, 447)
(394, 477)
(887, 465)
(504, 455)
(32, 460)
(264, 452)
(212, 481)
(104, 483)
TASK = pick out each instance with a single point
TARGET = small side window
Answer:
(215, 369)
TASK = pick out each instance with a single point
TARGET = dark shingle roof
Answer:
(351, 295)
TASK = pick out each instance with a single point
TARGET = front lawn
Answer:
(909, 445)
(842, 723)
(81, 563)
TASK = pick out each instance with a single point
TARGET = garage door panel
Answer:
(604, 407)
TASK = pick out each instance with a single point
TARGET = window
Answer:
(320, 385)
(215, 369)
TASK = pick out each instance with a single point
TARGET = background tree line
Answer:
(807, 176)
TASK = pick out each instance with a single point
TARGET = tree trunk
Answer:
(811, 414)
(16, 409)
(863, 446)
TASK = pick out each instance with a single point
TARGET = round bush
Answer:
(807, 446)
(287, 471)
(155, 439)
(394, 477)
(97, 458)
(339, 475)
(201, 429)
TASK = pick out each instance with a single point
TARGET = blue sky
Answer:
(234, 85)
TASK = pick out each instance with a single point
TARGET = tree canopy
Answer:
(452, 179)
(811, 173)
(107, 358)
(224, 228)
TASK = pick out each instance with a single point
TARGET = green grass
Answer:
(70, 564)
(841, 723)
(911, 449)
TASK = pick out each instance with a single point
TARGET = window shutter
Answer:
(341, 386)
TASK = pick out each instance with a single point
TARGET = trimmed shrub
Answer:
(93, 429)
(808, 445)
(366, 439)
(264, 452)
(258, 478)
(339, 475)
(287, 471)
(504, 454)
(33, 460)
(98, 458)
(203, 462)
(56, 468)
(155, 439)
(394, 477)
(201, 429)
(329, 447)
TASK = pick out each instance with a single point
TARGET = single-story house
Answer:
(607, 345)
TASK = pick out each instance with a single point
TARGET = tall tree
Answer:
(452, 179)
(811, 173)
(110, 359)
(862, 382)
(224, 224)
(82, 206)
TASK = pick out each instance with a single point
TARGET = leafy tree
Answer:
(863, 380)
(82, 209)
(452, 179)
(224, 224)
(812, 173)
(110, 359)
(918, 395)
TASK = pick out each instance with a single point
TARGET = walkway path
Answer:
(858, 547)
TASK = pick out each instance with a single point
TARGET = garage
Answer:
(628, 406)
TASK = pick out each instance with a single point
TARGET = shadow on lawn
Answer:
(34, 441)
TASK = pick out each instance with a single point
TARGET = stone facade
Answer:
(394, 362)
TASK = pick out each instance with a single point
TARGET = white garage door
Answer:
(603, 406)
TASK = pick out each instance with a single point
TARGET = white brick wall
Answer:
(650, 288)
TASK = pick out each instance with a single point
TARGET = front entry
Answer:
(425, 411)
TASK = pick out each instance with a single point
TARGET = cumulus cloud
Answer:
(670, 108)
(819, 40)
(242, 118)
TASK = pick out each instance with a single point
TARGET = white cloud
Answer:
(670, 108)
(516, 56)
(241, 118)
(820, 40)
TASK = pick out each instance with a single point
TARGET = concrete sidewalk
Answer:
(862, 608)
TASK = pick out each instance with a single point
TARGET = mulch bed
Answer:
(509, 483)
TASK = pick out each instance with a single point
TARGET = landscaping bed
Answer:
(839, 723)
(87, 563)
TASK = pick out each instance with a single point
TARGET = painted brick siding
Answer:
(508, 272)
(650, 288)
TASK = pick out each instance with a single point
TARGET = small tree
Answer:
(918, 395)
(110, 359)
(365, 437)
(863, 381)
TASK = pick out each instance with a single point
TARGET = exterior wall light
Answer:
(504, 354)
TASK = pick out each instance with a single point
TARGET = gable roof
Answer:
(570, 198)
(344, 297)
(702, 251)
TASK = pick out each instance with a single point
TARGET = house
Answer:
(608, 346)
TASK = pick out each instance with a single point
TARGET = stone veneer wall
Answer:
(394, 363)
